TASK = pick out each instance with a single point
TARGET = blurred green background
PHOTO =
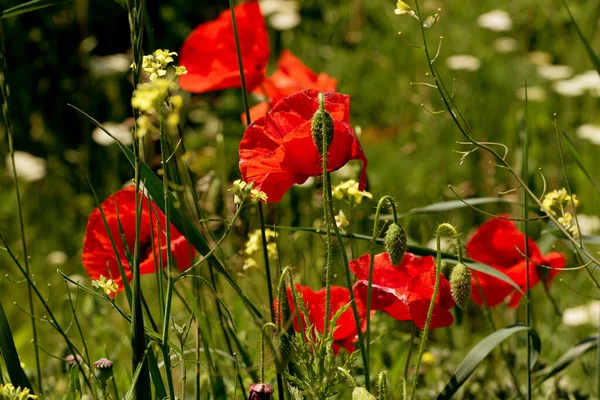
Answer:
(79, 53)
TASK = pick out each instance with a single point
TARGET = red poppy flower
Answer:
(278, 150)
(494, 244)
(209, 52)
(404, 291)
(98, 256)
(345, 331)
(290, 77)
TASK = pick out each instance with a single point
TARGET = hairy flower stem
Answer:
(390, 200)
(413, 333)
(438, 273)
(327, 217)
(5, 92)
(348, 276)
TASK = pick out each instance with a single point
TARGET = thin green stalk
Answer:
(170, 281)
(280, 388)
(348, 277)
(438, 273)
(4, 91)
(526, 234)
(390, 200)
(413, 333)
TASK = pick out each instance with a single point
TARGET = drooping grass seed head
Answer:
(460, 285)
(395, 243)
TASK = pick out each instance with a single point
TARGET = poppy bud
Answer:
(285, 352)
(261, 391)
(104, 370)
(322, 117)
(395, 243)
(360, 393)
(460, 285)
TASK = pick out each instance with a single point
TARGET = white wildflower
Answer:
(463, 62)
(120, 131)
(495, 20)
(29, 167)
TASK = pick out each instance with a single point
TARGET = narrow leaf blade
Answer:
(9, 354)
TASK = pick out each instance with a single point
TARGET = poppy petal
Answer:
(495, 241)
(210, 56)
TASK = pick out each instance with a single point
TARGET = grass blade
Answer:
(183, 223)
(588, 47)
(74, 385)
(478, 353)
(570, 355)
(29, 6)
(452, 205)
(9, 354)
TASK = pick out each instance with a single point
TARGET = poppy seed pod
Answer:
(395, 243)
(261, 391)
(322, 126)
(460, 285)
(360, 393)
(104, 370)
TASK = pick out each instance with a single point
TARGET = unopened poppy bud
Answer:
(322, 126)
(285, 352)
(261, 391)
(360, 393)
(460, 285)
(104, 370)
(395, 243)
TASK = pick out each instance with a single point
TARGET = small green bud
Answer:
(360, 393)
(320, 116)
(285, 352)
(104, 370)
(395, 243)
(460, 285)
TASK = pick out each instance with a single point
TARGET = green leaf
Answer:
(29, 6)
(159, 387)
(130, 393)
(571, 355)
(183, 223)
(588, 48)
(9, 354)
(452, 205)
(74, 385)
(480, 351)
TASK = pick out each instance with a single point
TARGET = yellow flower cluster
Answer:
(108, 286)
(557, 203)
(154, 99)
(241, 190)
(9, 392)
(349, 190)
(155, 64)
(254, 247)
(341, 221)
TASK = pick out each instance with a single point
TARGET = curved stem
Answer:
(390, 200)
(438, 272)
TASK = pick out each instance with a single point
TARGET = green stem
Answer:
(413, 332)
(348, 276)
(327, 216)
(390, 200)
(170, 281)
(438, 273)
(526, 238)
(4, 92)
